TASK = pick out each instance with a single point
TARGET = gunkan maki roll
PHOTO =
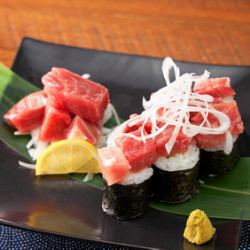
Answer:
(127, 184)
(127, 199)
(175, 177)
(219, 153)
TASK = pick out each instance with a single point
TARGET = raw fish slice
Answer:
(210, 141)
(28, 113)
(139, 154)
(81, 96)
(114, 165)
(55, 125)
(232, 111)
(181, 144)
(217, 141)
(216, 87)
(84, 130)
(129, 129)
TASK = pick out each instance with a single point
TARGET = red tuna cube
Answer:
(84, 130)
(114, 165)
(55, 125)
(80, 96)
(216, 87)
(181, 144)
(139, 154)
(28, 113)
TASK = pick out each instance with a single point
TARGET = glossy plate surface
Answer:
(62, 206)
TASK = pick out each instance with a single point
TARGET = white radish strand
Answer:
(35, 146)
(26, 165)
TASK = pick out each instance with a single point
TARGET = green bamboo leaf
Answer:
(221, 197)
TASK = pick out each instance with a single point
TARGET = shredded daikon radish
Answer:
(35, 146)
(20, 133)
(117, 119)
(86, 76)
(88, 177)
(109, 112)
(105, 131)
(228, 143)
(26, 165)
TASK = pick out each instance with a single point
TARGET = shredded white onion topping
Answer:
(177, 101)
(35, 146)
(88, 177)
(86, 76)
(26, 165)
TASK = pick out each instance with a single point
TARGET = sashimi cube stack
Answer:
(69, 106)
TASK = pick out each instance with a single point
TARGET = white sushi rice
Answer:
(138, 177)
(180, 161)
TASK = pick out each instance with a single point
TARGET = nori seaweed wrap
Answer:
(175, 186)
(217, 162)
(125, 202)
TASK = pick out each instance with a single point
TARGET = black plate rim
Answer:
(27, 38)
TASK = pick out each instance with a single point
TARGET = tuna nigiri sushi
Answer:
(175, 178)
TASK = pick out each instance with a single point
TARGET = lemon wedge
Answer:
(68, 156)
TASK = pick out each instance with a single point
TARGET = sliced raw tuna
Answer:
(139, 154)
(210, 141)
(114, 165)
(28, 113)
(181, 144)
(55, 125)
(216, 141)
(138, 125)
(216, 87)
(81, 96)
(57, 103)
(232, 111)
(84, 130)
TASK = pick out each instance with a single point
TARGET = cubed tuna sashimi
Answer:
(114, 165)
(216, 87)
(232, 111)
(28, 113)
(84, 130)
(55, 125)
(139, 154)
(181, 144)
(128, 128)
(216, 141)
(81, 96)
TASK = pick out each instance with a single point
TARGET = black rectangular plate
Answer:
(64, 207)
